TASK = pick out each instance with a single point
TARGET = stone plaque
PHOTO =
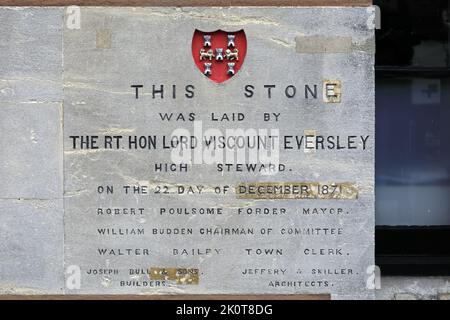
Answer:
(187, 150)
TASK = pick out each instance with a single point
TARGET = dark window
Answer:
(413, 137)
(414, 33)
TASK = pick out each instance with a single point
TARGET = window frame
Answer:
(412, 250)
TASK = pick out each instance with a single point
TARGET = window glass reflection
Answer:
(413, 151)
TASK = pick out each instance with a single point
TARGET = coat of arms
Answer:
(219, 55)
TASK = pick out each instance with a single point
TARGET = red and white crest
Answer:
(219, 55)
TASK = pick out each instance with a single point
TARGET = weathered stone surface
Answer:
(31, 246)
(405, 296)
(153, 46)
(31, 54)
(31, 157)
(119, 47)
(419, 288)
(31, 199)
(444, 296)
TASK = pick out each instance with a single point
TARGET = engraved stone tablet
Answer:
(187, 151)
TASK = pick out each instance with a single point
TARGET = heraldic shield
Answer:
(219, 55)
